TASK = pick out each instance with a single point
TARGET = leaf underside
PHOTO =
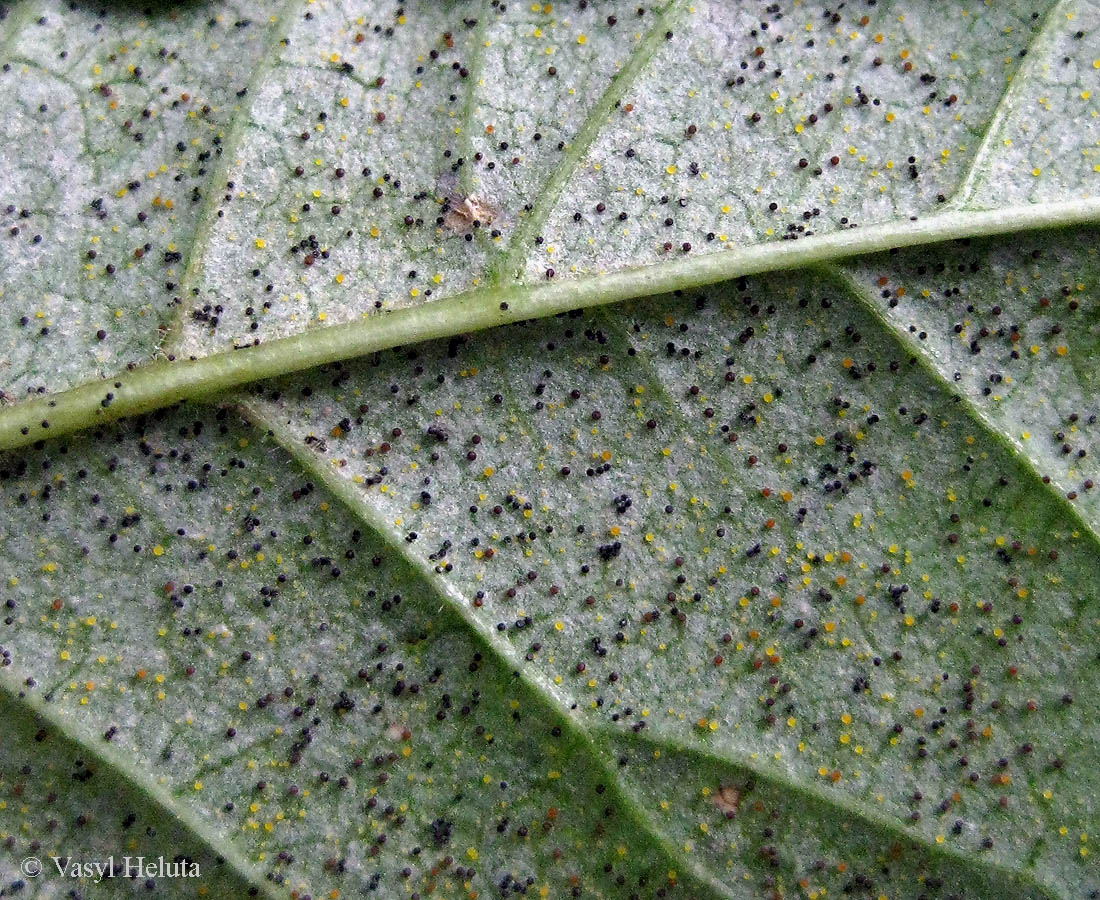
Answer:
(785, 586)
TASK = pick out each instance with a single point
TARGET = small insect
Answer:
(728, 800)
(462, 213)
(316, 443)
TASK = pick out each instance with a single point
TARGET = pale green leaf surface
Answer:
(826, 542)
(453, 124)
(548, 149)
(1024, 156)
(148, 675)
(115, 122)
(867, 123)
(279, 676)
(74, 803)
(1017, 336)
(802, 525)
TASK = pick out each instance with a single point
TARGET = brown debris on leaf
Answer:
(464, 214)
(728, 800)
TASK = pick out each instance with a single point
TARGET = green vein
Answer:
(926, 361)
(465, 137)
(509, 266)
(216, 183)
(17, 701)
(17, 18)
(835, 801)
(538, 685)
(165, 383)
(1005, 106)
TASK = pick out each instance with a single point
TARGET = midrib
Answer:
(206, 378)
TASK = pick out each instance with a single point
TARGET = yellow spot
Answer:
(260, 243)
(582, 39)
(671, 170)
